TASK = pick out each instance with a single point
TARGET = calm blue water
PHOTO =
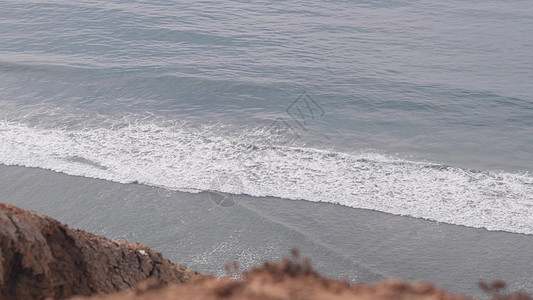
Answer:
(414, 108)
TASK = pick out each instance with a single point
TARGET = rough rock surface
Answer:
(40, 258)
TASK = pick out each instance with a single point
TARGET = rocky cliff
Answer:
(40, 258)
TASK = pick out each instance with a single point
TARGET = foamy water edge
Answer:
(178, 157)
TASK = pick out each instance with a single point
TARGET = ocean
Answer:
(381, 138)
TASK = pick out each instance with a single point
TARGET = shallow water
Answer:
(359, 245)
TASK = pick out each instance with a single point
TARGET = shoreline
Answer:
(358, 245)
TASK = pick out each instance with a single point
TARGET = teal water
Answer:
(411, 108)
(450, 82)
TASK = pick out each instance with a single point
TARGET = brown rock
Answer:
(40, 258)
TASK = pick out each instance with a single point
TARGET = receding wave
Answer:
(185, 158)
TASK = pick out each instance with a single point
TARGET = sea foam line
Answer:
(182, 158)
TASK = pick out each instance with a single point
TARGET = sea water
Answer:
(410, 108)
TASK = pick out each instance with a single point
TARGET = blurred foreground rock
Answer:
(40, 258)
(288, 279)
(294, 279)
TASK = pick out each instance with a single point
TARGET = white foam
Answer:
(178, 157)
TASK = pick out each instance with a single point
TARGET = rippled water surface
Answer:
(413, 108)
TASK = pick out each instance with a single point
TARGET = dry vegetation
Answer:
(294, 278)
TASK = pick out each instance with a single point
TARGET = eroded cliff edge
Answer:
(40, 258)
